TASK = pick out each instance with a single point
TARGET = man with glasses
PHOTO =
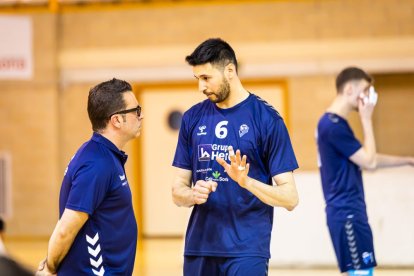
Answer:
(97, 231)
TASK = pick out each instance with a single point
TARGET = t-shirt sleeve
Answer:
(278, 148)
(182, 157)
(343, 140)
(89, 187)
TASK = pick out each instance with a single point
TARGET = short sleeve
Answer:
(182, 158)
(89, 187)
(343, 140)
(278, 148)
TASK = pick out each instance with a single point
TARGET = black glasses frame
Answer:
(135, 109)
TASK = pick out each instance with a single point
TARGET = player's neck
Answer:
(340, 107)
(236, 96)
(114, 138)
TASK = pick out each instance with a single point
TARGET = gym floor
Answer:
(156, 257)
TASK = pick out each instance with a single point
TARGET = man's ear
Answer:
(348, 88)
(115, 121)
(230, 71)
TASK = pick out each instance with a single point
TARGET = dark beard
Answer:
(223, 92)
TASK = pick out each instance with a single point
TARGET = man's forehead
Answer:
(204, 69)
(129, 97)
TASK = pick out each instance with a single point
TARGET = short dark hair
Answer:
(351, 74)
(105, 99)
(215, 51)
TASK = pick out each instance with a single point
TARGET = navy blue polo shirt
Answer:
(95, 183)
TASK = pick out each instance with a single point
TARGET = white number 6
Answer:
(221, 131)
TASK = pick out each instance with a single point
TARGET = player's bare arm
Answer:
(365, 157)
(283, 194)
(185, 195)
(62, 238)
(387, 161)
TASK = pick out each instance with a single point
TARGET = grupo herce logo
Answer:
(204, 152)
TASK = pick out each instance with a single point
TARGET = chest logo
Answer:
(122, 177)
(201, 130)
(243, 130)
(216, 174)
(204, 152)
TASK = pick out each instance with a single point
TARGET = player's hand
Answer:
(365, 109)
(202, 189)
(411, 161)
(43, 270)
(238, 167)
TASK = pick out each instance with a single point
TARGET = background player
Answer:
(341, 159)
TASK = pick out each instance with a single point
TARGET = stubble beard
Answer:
(223, 92)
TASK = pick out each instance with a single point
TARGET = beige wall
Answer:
(45, 119)
(29, 132)
(189, 23)
(394, 115)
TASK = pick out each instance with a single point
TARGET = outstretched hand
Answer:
(238, 167)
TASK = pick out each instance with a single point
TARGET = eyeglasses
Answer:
(137, 110)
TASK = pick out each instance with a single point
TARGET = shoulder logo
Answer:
(122, 177)
(201, 130)
(243, 130)
(333, 118)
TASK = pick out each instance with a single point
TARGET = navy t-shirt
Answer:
(233, 222)
(341, 178)
(95, 183)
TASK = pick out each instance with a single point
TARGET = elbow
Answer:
(371, 165)
(175, 196)
(63, 233)
(292, 204)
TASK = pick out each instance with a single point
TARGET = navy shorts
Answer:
(353, 244)
(224, 266)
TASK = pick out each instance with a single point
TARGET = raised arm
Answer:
(365, 157)
(283, 194)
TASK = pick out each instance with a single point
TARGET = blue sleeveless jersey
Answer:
(233, 222)
(95, 183)
(341, 178)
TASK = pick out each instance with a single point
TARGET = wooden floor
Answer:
(163, 257)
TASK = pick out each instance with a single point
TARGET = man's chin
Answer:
(214, 100)
(137, 134)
